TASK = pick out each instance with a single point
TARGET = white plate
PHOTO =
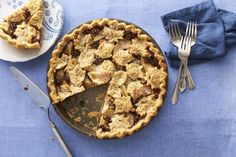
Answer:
(52, 25)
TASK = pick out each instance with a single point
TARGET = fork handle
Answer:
(61, 140)
(182, 85)
(175, 94)
(187, 76)
(190, 81)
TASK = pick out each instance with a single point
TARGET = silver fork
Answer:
(175, 36)
(191, 32)
(185, 46)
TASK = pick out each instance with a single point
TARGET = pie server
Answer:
(42, 101)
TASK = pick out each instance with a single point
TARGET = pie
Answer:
(22, 28)
(107, 51)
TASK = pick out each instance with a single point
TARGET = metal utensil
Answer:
(175, 36)
(184, 48)
(191, 32)
(42, 101)
(175, 94)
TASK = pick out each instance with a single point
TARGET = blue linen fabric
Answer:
(202, 124)
(215, 29)
(229, 21)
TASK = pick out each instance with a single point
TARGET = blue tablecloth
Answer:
(203, 124)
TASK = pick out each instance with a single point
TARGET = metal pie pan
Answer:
(61, 109)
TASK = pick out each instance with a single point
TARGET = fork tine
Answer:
(185, 42)
(171, 30)
(178, 30)
(175, 30)
(187, 29)
(195, 32)
(174, 27)
(182, 41)
(188, 44)
(192, 29)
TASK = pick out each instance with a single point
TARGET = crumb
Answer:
(94, 128)
(91, 125)
(94, 114)
(70, 115)
(74, 110)
(77, 119)
(26, 87)
(83, 113)
(101, 97)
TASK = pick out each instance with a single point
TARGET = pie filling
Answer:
(121, 55)
(23, 28)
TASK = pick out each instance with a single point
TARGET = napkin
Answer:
(216, 31)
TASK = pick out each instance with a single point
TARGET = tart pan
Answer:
(85, 124)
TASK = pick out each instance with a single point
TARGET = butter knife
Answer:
(42, 101)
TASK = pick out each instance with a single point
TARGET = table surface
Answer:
(203, 124)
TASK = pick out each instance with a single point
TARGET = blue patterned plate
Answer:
(52, 25)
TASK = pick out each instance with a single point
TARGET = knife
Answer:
(42, 101)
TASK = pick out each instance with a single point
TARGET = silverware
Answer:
(184, 48)
(175, 36)
(191, 33)
(42, 101)
(174, 33)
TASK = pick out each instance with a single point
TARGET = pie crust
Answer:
(22, 28)
(121, 55)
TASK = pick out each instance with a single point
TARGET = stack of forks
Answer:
(184, 44)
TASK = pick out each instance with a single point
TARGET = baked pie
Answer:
(22, 28)
(116, 53)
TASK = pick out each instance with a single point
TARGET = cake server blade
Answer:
(36, 94)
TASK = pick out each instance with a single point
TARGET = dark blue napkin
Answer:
(216, 31)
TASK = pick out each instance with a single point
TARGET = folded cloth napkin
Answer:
(216, 31)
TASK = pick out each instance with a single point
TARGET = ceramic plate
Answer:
(52, 25)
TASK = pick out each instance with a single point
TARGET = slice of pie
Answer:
(121, 55)
(22, 28)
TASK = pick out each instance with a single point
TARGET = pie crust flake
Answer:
(121, 55)
(22, 28)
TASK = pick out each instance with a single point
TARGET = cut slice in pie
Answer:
(22, 28)
(121, 55)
